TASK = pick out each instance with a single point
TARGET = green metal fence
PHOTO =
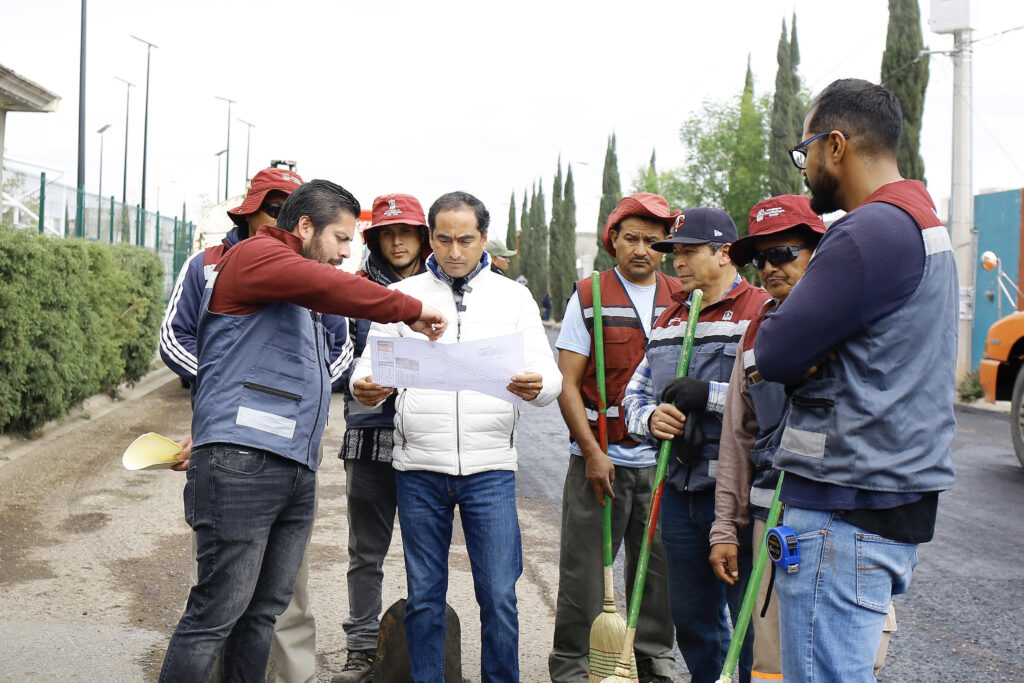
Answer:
(50, 208)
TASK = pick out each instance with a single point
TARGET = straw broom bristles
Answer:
(607, 634)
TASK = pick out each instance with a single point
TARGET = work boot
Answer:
(358, 667)
(645, 673)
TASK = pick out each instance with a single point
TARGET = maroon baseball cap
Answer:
(772, 216)
(396, 209)
(263, 182)
(643, 205)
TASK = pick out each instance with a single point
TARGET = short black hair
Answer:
(865, 111)
(321, 200)
(453, 201)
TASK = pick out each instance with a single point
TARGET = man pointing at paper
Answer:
(458, 447)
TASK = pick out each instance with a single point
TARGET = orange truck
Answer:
(1001, 370)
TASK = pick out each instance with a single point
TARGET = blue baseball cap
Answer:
(699, 226)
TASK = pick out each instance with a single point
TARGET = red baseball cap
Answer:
(396, 209)
(774, 215)
(642, 204)
(263, 182)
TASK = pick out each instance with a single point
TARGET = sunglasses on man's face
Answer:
(272, 209)
(776, 255)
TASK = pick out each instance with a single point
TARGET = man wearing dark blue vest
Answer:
(659, 406)
(633, 295)
(259, 411)
(866, 344)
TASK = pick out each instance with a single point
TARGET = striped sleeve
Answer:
(639, 403)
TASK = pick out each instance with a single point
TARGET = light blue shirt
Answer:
(575, 337)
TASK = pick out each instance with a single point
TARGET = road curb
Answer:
(13, 447)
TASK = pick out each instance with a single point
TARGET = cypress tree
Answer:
(611, 193)
(511, 239)
(905, 74)
(801, 101)
(747, 172)
(783, 178)
(563, 245)
(525, 241)
(537, 279)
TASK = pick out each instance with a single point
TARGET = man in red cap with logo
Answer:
(399, 243)
(659, 405)
(294, 642)
(633, 294)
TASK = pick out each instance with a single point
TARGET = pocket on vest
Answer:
(811, 418)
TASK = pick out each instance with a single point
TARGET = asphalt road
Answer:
(94, 559)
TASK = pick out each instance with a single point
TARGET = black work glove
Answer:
(691, 397)
(688, 446)
(686, 394)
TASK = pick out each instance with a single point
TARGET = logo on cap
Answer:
(680, 219)
(285, 176)
(771, 212)
(392, 211)
(718, 233)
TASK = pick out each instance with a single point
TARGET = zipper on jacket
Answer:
(458, 337)
(280, 393)
(320, 368)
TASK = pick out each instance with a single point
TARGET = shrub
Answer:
(969, 388)
(76, 318)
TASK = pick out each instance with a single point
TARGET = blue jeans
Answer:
(487, 506)
(697, 598)
(252, 512)
(831, 612)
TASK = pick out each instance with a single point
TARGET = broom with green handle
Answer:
(622, 669)
(608, 631)
(747, 607)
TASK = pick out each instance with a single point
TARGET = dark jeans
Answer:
(252, 512)
(490, 523)
(696, 597)
(370, 494)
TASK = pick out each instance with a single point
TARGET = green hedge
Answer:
(76, 318)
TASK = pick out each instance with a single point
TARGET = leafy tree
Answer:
(648, 180)
(611, 193)
(905, 73)
(563, 243)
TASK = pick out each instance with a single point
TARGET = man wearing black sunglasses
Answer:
(294, 642)
(866, 345)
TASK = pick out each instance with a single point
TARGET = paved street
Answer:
(94, 559)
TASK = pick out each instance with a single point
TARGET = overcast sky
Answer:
(427, 97)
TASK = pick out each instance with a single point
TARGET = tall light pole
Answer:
(79, 227)
(227, 159)
(248, 135)
(218, 155)
(145, 124)
(127, 109)
(99, 191)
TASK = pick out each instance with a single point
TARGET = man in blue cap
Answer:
(688, 411)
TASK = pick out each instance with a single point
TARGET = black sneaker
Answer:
(358, 667)
(645, 672)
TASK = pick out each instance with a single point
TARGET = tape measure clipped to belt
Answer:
(783, 549)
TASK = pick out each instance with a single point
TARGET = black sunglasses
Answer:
(272, 209)
(776, 255)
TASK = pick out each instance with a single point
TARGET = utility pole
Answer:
(145, 124)
(227, 158)
(953, 16)
(79, 211)
(218, 155)
(127, 109)
(248, 135)
(99, 190)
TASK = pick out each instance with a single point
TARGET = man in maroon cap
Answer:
(633, 295)
(294, 642)
(398, 242)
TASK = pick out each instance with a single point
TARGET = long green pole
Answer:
(622, 669)
(42, 202)
(732, 657)
(602, 408)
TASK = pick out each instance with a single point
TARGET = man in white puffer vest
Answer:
(458, 447)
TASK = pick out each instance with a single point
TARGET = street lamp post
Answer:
(227, 159)
(127, 108)
(218, 155)
(145, 124)
(99, 191)
(248, 135)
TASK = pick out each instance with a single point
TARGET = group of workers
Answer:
(839, 373)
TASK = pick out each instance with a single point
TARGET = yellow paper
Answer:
(151, 452)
